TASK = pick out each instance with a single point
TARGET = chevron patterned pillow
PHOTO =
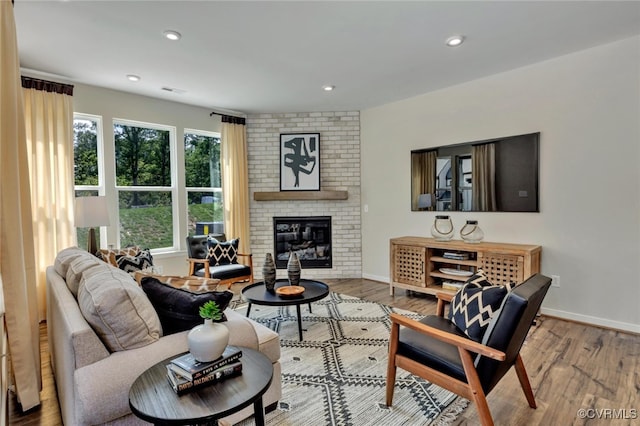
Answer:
(222, 253)
(473, 307)
(141, 261)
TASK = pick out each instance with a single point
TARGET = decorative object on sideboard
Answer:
(269, 273)
(300, 162)
(208, 341)
(442, 229)
(471, 232)
(91, 212)
(293, 269)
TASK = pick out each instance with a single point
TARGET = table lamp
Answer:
(90, 213)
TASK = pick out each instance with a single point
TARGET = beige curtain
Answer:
(423, 175)
(17, 266)
(235, 181)
(483, 177)
(48, 110)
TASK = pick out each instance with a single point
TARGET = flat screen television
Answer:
(498, 175)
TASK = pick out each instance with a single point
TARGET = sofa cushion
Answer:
(222, 252)
(189, 283)
(66, 256)
(178, 309)
(118, 310)
(109, 255)
(80, 266)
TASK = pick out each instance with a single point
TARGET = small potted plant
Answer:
(208, 341)
(210, 310)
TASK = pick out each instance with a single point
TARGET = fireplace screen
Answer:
(309, 237)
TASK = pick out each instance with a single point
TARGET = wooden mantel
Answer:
(300, 195)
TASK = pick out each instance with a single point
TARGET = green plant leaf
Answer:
(210, 310)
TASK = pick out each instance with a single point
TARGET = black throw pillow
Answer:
(178, 309)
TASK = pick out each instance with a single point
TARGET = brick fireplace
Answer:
(340, 171)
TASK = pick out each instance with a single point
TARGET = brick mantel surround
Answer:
(339, 171)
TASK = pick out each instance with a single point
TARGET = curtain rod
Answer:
(226, 118)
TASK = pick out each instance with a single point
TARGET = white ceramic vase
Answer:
(207, 341)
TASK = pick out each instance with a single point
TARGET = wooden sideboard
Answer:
(416, 263)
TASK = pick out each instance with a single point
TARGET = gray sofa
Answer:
(92, 379)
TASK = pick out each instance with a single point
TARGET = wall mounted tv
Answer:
(497, 175)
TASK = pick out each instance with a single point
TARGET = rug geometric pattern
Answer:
(336, 375)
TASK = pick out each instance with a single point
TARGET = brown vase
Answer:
(293, 269)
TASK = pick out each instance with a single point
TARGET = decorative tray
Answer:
(459, 272)
(290, 291)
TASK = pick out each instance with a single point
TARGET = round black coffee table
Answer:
(258, 294)
(151, 397)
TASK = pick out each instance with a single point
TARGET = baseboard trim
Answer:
(384, 280)
(594, 321)
(556, 313)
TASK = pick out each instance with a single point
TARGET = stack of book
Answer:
(455, 255)
(185, 373)
(452, 285)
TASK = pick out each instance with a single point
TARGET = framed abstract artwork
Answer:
(300, 162)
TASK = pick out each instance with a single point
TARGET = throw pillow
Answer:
(222, 252)
(109, 255)
(190, 283)
(479, 279)
(139, 262)
(178, 309)
(118, 310)
(473, 306)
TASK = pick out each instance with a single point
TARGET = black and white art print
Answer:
(300, 162)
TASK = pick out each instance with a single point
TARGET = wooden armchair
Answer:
(227, 271)
(436, 350)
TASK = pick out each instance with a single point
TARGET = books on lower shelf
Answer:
(455, 255)
(452, 285)
(189, 368)
(182, 385)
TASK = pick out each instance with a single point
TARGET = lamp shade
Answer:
(91, 211)
(425, 201)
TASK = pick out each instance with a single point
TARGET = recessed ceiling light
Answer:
(454, 41)
(172, 35)
(133, 77)
(328, 88)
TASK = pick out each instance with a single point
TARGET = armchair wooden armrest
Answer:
(443, 298)
(249, 260)
(460, 342)
(192, 266)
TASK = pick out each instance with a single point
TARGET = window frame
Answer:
(173, 188)
(189, 189)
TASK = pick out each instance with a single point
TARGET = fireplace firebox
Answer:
(309, 237)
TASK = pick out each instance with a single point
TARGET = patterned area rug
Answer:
(336, 376)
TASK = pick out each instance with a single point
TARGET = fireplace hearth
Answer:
(309, 237)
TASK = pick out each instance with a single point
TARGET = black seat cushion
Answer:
(178, 309)
(432, 352)
(223, 272)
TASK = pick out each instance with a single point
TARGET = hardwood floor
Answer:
(571, 367)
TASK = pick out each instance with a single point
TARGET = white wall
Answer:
(587, 107)
(110, 104)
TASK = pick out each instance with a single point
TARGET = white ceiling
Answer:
(267, 56)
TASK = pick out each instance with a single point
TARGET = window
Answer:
(203, 182)
(87, 154)
(145, 184)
